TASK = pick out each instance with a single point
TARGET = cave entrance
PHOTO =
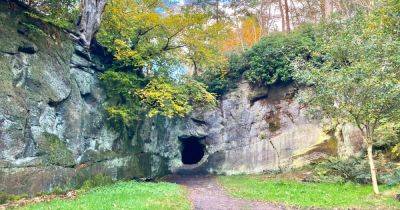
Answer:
(192, 150)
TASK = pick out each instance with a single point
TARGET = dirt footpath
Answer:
(206, 194)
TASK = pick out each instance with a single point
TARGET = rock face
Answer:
(252, 131)
(53, 130)
(52, 124)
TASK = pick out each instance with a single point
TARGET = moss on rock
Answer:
(55, 151)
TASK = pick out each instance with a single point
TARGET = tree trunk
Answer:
(90, 19)
(326, 7)
(373, 169)
(372, 4)
(282, 15)
(287, 15)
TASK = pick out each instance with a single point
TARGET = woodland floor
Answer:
(205, 193)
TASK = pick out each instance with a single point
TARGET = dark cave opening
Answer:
(192, 150)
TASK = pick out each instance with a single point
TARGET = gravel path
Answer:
(206, 194)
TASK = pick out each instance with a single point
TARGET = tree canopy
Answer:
(147, 34)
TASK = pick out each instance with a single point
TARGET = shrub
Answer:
(5, 197)
(340, 170)
(354, 169)
(96, 181)
(266, 63)
(216, 82)
(270, 60)
(221, 81)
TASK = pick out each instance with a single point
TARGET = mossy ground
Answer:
(301, 194)
(124, 195)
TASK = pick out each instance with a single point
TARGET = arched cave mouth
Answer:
(192, 150)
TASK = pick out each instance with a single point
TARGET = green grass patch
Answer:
(294, 193)
(124, 195)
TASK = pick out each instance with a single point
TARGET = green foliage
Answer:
(124, 195)
(62, 13)
(164, 97)
(354, 169)
(319, 195)
(343, 170)
(219, 81)
(58, 191)
(96, 181)
(129, 95)
(358, 81)
(392, 179)
(34, 29)
(270, 60)
(216, 82)
(150, 44)
(140, 36)
(388, 139)
(121, 91)
(5, 197)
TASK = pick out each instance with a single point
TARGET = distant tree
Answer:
(245, 35)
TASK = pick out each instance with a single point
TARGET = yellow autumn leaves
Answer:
(168, 99)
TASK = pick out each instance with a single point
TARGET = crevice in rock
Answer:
(56, 104)
(198, 121)
(89, 99)
(27, 48)
(258, 98)
(82, 52)
(9, 53)
(30, 145)
(1, 125)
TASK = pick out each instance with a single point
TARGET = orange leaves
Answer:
(244, 36)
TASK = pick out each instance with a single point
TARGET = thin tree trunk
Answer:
(373, 169)
(287, 16)
(323, 9)
(278, 157)
(372, 4)
(90, 19)
(217, 10)
(326, 6)
(282, 15)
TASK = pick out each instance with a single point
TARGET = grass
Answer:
(124, 195)
(301, 194)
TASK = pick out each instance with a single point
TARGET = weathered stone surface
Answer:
(52, 123)
(349, 140)
(245, 134)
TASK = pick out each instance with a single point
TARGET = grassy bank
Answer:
(294, 193)
(124, 195)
